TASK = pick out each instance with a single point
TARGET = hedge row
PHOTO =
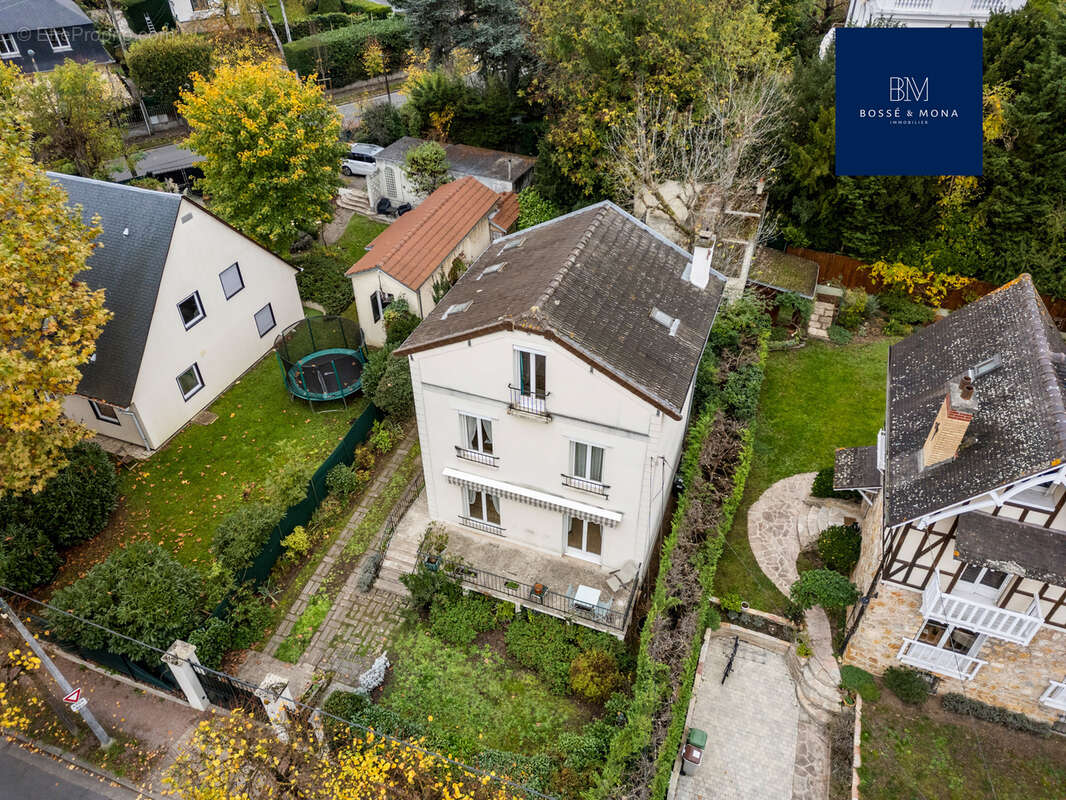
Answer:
(320, 23)
(338, 54)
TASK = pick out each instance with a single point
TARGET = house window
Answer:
(586, 461)
(190, 382)
(980, 583)
(379, 301)
(8, 46)
(584, 539)
(390, 182)
(104, 412)
(951, 638)
(57, 38)
(200, 5)
(532, 373)
(264, 320)
(232, 282)
(191, 310)
(477, 433)
(481, 506)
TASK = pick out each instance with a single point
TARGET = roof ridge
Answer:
(570, 260)
(1049, 376)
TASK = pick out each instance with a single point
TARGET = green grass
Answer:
(473, 697)
(813, 401)
(296, 642)
(179, 495)
(928, 753)
(311, 312)
(359, 233)
(294, 10)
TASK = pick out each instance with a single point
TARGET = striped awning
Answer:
(533, 497)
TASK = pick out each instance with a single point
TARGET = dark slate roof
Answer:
(856, 468)
(1008, 545)
(466, 160)
(1019, 428)
(784, 272)
(128, 267)
(31, 15)
(589, 280)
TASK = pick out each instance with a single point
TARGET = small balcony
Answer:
(943, 662)
(530, 402)
(951, 609)
(1055, 696)
(477, 456)
(585, 485)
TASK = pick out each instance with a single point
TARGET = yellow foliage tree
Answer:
(928, 287)
(14, 715)
(271, 144)
(49, 320)
(237, 758)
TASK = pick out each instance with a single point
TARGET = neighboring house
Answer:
(927, 13)
(963, 563)
(458, 220)
(501, 172)
(195, 304)
(552, 388)
(39, 35)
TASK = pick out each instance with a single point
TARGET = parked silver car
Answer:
(360, 160)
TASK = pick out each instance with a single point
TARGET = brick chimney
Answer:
(952, 420)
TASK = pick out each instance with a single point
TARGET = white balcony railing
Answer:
(951, 609)
(942, 662)
(1055, 696)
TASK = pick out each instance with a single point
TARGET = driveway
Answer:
(353, 112)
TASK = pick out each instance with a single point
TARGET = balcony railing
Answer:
(1055, 696)
(595, 487)
(488, 459)
(481, 525)
(529, 402)
(1011, 626)
(942, 662)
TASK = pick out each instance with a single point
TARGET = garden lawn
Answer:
(813, 401)
(359, 233)
(179, 495)
(474, 696)
(931, 753)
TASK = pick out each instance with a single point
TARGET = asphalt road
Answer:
(353, 111)
(25, 775)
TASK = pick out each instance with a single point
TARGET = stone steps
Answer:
(817, 698)
(816, 520)
(353, 200)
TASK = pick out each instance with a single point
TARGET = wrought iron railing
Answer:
(529, 401)
(481, 525)
(477, 456)
(585, 485)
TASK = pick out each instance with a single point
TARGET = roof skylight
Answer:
(492, 268)
(458, 308)
(512, 244)
(664, 319)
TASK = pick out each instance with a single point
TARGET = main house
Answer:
(410, 257)
(963, 563)
(927, 13)
(40, 35)
(552, 388)
(195, 304)
(502, 172)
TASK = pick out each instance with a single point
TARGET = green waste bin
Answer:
(697, 738)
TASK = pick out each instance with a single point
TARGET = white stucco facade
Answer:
(188, 10)
(641, 447)
(223, 344)
(927, 13)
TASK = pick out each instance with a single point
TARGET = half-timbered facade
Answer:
(963, 568)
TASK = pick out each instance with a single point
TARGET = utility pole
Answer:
(285, 21)
(118, 30)
(64, 684)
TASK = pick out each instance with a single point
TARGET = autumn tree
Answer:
(271, 144)
(70, 112)
(374, 63)
(426, 166)
(595, 54)
(49, 319)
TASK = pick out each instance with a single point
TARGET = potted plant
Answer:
(434, 544)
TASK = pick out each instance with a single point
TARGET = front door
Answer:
(584, 539)
(980, 583)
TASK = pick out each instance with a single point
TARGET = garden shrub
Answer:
(823, 486)
(744, 318)
(838, 334)
(394, 394)
(248, 617)
(399, 323)
(548, 646)
(298, 543)
(740, 393)
(459, 621)
(961, 704)
(534, 209)
(839, 546)
(374, 369)
(161, 65)
(792, 304)
(290, 471)
(906, 683)
(585, 750)
(322, 280)
(27, 557)
(148, 182)
(861, 682)
(141, 590)
(321, 22)
(594, 675)
(362, 712)
(896, 328)
(425, 586)
(242, 534)
(381, 124)
(533, 772)
(384, 436)
(341, 49)
(706, 387)
(905, 311)
(371, 9)
(212, 642)
(825, 588)
(344, 481)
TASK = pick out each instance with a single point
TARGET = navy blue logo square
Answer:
(908, 101)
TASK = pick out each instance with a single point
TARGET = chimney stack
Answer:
(702, 254)
(952, 421)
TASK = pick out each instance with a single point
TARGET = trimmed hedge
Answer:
(322, 280)
(27, 557)
(906, 683)
(372, 10)
(161, 65)
(341, 50)
(961, 704)
(320, 23)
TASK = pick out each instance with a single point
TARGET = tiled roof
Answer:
(856, 468)
(467, 160)
(20, 15)
(413, 247)
(589, 281)
(137, 226)
(1019, 428)
(1008, 545)
(506, 212)
(784, 271)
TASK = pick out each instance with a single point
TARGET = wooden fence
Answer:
(852, 273)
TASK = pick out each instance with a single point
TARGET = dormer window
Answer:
(8, 46)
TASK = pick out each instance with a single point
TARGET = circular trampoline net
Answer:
(321, 358)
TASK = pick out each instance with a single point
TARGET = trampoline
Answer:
(321, 359)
